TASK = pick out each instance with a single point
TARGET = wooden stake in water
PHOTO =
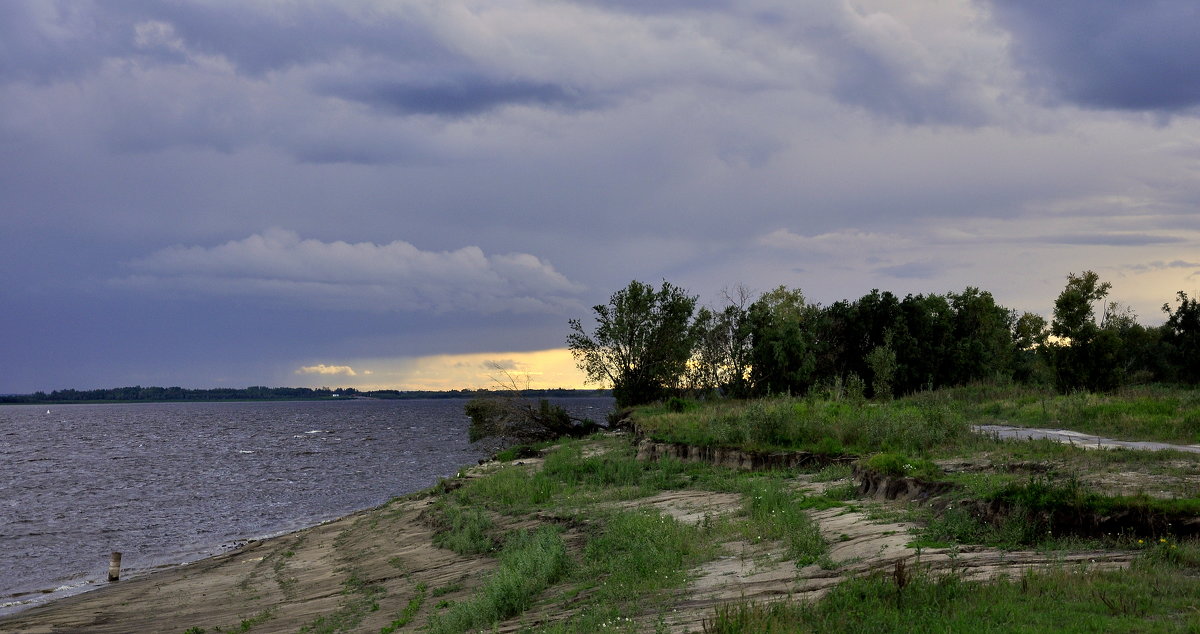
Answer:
(114, 567)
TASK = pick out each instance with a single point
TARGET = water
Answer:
(173, 482)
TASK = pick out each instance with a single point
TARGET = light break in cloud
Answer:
(323, 369)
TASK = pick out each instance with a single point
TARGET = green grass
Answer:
(628, 563)
(900, 465)
(639, 553)
(935, 421)
(1156, 594)
(775, 512)
(359, 597)
(465, 530)
(529, 563)
(409, 612)
(804, 424)
(1157, 413)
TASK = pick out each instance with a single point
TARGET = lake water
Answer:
(167, 483)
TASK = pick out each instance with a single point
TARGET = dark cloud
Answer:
(876, 79)
(576, 145)
(259, 38)
(48, 40)
(659, 6)
(456, 95)
(1108, 54)
(1110, 239)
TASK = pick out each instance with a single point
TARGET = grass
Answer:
(359, 598)
(1152, 412)
(810, 424)
(928, 421)
(465, 530)
(529, 563)
(636, 553)
(409, 612)
(570, 541)
(775, 512)
(1156, 594)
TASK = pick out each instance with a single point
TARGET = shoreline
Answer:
(97, 582)
(197, 590)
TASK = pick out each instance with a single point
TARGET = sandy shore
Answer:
(380, 568)
(361, 569)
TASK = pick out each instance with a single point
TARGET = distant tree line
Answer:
(653, 343)
(259, 393)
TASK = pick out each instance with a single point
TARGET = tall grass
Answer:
(776, 512)
(640, 552)
(465, 530)
(1153, 412)
(937, 420)
(529, 563)
(825, 426)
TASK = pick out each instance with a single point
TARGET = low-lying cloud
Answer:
(280, 266)
(321, 368)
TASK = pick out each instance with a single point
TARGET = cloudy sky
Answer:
(392, 193)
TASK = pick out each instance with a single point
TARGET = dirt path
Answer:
(1079, 439)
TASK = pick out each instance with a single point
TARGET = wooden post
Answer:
(114, 567)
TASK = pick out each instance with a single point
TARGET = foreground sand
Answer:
(362, 572)
(280, 584)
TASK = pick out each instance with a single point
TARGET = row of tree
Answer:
(650, 343)
(258, 393)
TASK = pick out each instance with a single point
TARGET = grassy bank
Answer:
(580, 535)
(631, 563)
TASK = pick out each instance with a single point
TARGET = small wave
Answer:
(244, 451)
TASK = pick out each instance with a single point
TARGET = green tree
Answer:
(1030, 365)
(641, 344)
(781, 351)
(982, 336)
(1181, 336)
(1080, 353)
(721, 357)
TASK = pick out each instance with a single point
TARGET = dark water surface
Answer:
(167, 483)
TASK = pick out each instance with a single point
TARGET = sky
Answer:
(406, 193)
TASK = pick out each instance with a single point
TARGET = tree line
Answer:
(651, 343)
(138, 393)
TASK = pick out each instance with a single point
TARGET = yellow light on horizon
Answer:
(537, 369)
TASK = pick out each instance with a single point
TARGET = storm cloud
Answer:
(1108, 53)
(209, 192)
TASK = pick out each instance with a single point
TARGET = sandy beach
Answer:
(363, 568)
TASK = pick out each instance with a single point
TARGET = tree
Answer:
(1029, 333)
(1074, 317)
(505, 414)
(721, 354)
(1082, 358)
(1181, 335)
(641, 344)
(982, 335)
(781, 355)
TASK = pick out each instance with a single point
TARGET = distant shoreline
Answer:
(139, 394)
